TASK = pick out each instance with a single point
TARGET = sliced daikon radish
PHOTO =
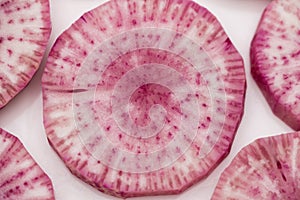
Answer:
(24, 32)
(275, 58)
(143, 97)
(266, 169)
(20, 176)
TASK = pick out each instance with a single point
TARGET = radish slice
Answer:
(20, 176)
(275, 58)
(24, 32)
(266, 169)
(143, 97)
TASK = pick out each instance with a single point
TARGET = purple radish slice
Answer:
(275, 59)
(20, 176)
(143, 97)
(24, 32)
(268, 168)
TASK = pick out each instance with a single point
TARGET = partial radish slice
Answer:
(20, 176)
(24, 32)
(143, 97)
(275, 58)
(266, 169)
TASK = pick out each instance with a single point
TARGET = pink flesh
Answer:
(266, 169)
(275, 58)
(143, 97)
(24, 32)
(20, 176)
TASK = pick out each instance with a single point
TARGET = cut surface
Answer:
(143, 97)
(20, 176)
(266, 169)
(24, 32)
(275, 58)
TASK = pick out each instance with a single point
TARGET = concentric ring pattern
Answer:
(143, 97)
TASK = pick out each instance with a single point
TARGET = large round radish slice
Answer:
(266, 169)
(275, 58)
(143, 97)
(20, 176)
(24, 32)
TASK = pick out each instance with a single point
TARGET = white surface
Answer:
(23, 116)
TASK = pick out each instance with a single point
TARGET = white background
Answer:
(23, 116)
